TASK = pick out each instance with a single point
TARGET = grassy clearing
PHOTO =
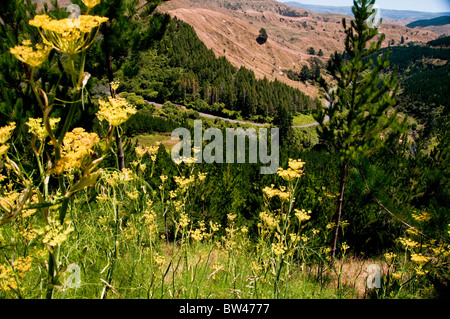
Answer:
(303, 119)
(154, 139)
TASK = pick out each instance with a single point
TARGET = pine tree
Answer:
(359, 102)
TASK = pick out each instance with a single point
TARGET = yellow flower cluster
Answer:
(423, 217)
(200, 233)
(295, 170)
(302, 215)
(268, 219)
(115, 177)
(36, 127)
(90, 3)
(133, 195)
(183, 182)
(419, 258)
(5, 135)
(69, 36)
(33, 56)
(345, 247)
(142, 150)
(114, 85)
(278, 249)
(150, 221)
(8, 273)
(77, 146)
(197, 235)
(281, 193)
(214, 226)
(184, 220)
(115, 111)
(159, 259)
(389, 256)
(201, 176)
(55, 236)
(408, 242)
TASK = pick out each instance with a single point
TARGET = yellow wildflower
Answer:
(397, 275)
(278, 249)
(294, 237)
(90, 3)
(159, 259)
(389, 256)
(231, 217)
(140, 151)
(412, 231)
(114, 85)
(331, 225)
(6, 132)
(268, 219)
(184, 220)
(163, 178)
(419, 258)
(256, 267)
(70, 35)
(214, 226)
(296, 165)
(345, 247)
(150, 221)
(3, 149)
(302, 215)
(288, 174)
(408, 242)
(115, 111)
(55, 236)
(36, 127)
(423, 217)
(295, 170)
(133, 195)
(197, 235)
(77, 146)
(29, 55)
(272, 192)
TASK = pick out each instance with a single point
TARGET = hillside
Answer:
(230, 29)
(402, 17)
(430, 22)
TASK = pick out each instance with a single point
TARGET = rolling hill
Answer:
(230, 29)
(430, 22)
(390, 16)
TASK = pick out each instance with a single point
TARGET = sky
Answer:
(414, 5)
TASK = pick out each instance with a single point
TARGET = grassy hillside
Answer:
(426, 23)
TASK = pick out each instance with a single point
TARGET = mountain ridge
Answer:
(389, 15)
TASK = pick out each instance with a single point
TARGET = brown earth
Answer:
(230, 29)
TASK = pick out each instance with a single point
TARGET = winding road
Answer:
(242, 122)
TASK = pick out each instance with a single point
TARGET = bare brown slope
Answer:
(230, 29)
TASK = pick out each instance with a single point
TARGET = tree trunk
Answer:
(344, 170)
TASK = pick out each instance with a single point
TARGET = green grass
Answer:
(302, 119)
(153, 139)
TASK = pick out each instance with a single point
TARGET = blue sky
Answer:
(415, 5)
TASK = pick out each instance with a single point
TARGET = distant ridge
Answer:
(430, 22)
(386, 13)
